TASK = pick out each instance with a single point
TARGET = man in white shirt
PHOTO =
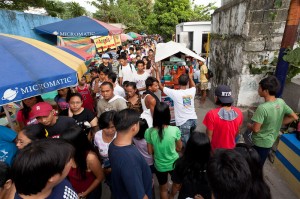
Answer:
(118, 90)
(184, 107)
(126, 70)
(140, 77)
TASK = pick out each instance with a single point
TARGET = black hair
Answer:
(148, 65)
(104, 70)
(123, 56)
(74, 95)
(110, 55)
(38, 162)
(34, 132)
(138, 56)
(125, 84)
(112, 76)
(219, 103)
(131, 84)
(271, 84)
(105, 118)
(228, 175)
(68, 93)
(150, 50)
(140, 62)
(193, 164)
(183, 80)
(143, 127)
(76, 136)
(107, 84)
(259, 188)
(149, 81)
(26, 110)
(125, 119)
(138, 48)
(4, 173)
(131, 48)
(94, 70)
(161, 116)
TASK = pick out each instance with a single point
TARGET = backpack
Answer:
(129, 65)
(210, 74)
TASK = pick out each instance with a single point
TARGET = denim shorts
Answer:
(186, 129)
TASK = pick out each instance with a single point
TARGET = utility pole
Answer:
(288, 40)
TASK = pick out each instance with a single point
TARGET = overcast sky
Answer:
(90, 8)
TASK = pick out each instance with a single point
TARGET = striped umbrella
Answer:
(125, 37)
(30, 67)
(133, 35)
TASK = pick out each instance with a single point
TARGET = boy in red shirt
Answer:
(223, 123)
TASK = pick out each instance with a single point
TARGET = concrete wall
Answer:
(19, 23)
(198, 28)
(244, 34)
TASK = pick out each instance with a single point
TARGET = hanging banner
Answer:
(118, 41)
(103, 43)
(82, 43)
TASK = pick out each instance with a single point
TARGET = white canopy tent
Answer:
(164, 50)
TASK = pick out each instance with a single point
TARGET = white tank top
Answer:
(146, 114)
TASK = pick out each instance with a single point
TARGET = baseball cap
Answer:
(41, 109)
(105, 56)
(223, 92)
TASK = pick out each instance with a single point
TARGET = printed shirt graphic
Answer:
(187, 100)
(184, 106)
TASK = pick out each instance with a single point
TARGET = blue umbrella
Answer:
(30, 67)
(79, 27)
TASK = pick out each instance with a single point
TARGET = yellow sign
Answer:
(103, 43)
(118, 41)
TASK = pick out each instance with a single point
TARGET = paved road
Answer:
(279, 187)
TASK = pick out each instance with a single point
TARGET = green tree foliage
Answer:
(167, 14)
(73, 9)
(203, 13)
(21, 4)
(54, 8)
(132, 13)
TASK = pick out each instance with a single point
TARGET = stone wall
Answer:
(244, 33)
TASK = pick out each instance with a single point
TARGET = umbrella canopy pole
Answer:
(8, 117)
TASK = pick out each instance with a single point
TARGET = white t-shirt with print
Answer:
(127, 72)
(140, 80)
(102, 146)
(184, 106)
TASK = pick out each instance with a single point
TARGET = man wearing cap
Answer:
(54, 125)
(223, 123)
(105, 62)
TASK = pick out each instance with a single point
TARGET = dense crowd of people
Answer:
(112, 128)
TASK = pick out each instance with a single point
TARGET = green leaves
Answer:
(292, 56)
(53, 8)
(170, 13)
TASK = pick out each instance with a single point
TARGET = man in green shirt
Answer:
(269, 117)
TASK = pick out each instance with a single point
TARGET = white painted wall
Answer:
(198, 28)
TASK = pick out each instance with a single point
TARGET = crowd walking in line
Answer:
(114, 128)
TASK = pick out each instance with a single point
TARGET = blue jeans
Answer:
(186, 129)
(263, 153)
